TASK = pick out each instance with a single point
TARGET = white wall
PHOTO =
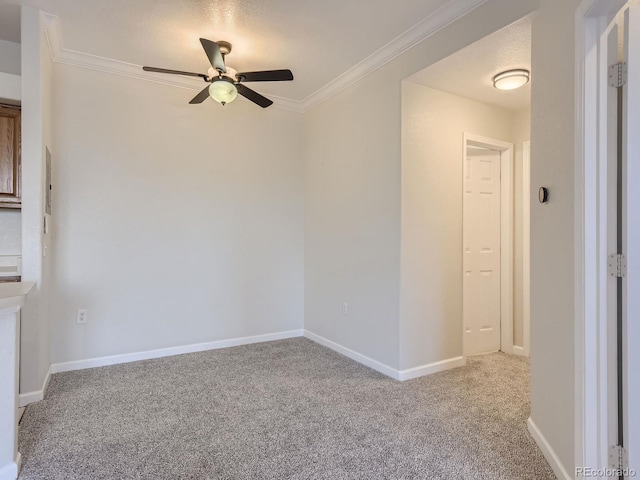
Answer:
(433, 123)
(520, 132)
(10, 231)
(174, 223)
(356, 133)
(10, 57)
(10, 67)
(552, 226)
(352, 181)
(352, 222)
(36, 135)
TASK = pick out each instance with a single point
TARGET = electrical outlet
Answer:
(82, 316)
(345, 308)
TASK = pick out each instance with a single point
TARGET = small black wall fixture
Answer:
(543, 195)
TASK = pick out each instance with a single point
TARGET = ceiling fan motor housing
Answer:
(231, 73)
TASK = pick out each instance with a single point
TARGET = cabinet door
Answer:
(9, 157)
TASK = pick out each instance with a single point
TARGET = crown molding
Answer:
(63, 55)
(444, 16)
(447, 14)
(59, 54)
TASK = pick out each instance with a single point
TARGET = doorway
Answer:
(439, 104)
(607, 222)
(487, 226)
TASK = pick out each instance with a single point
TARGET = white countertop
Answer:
(12, 294)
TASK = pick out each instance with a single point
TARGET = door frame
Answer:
(506, 233)
(526, 247)
(592, 405)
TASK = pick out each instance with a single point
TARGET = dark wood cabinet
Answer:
(10, 167)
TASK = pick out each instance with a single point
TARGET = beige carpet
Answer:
(289, 409)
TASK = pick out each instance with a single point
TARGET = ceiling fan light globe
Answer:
(223, 91)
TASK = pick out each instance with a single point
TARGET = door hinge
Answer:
(617, 74)
(617, 265)
(618, 457)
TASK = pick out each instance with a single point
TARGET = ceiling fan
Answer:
(224, 82)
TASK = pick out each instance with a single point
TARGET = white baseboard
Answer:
(518, 351)
(353, 355)
(430, 368)
(506, 349)
(167, 352)
(547, 451)
(25, 399)
(10, 470)
(401, 375)
(386, 369)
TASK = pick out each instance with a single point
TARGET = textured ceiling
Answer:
(317, 40)
(469, 72)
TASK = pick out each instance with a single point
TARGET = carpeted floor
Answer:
(289, 409)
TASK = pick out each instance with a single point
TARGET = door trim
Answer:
(590, 232)
(526, 247)
(506, 233)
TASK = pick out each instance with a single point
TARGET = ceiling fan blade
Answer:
(175, 72)
(213, 53)
(202, 96)
(266, 76)
(255, 97)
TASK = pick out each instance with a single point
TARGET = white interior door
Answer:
(481, 251)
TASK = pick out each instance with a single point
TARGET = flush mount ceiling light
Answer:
(511, 79)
